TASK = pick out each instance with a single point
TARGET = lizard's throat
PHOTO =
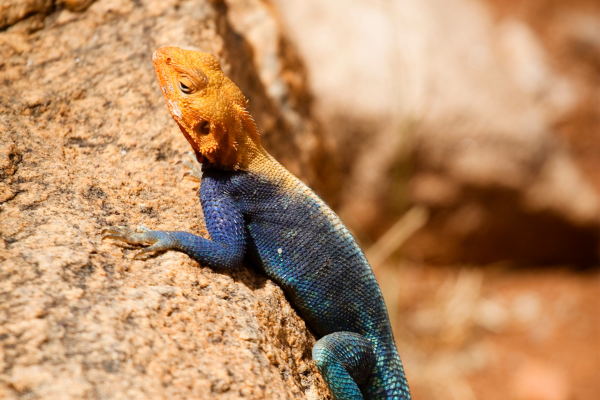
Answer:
(231, 151)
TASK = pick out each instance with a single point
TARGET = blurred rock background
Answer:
(458, 139)
(470, 111)
(483, 119)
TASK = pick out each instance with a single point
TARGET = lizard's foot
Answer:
(195, 167)
(155, 240)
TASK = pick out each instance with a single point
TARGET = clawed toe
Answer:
(116, 232)
(150, 239)
(124, 234)
(158, 246)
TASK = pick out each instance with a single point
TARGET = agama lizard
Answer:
(256, 210)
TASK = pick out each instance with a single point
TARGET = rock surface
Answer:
(12, 11)
(86, 141)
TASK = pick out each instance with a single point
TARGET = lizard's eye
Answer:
(186, 85)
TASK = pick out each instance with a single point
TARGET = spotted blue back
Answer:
(299, 242)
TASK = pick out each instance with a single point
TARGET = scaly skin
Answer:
(255, 209)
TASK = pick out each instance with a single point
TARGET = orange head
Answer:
(208, 107)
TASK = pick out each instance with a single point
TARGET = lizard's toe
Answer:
(150, 239)
(160, 245)
(115, 232)
(124, 234)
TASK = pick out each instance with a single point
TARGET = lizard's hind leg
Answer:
(345, 360)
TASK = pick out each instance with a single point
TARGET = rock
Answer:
(12, 11)
(86, 141)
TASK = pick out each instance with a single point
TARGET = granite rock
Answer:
(86, 141)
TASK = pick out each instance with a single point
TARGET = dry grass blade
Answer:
(412, 221)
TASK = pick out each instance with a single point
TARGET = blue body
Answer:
(279, 224)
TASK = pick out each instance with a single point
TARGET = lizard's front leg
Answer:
(225, 224)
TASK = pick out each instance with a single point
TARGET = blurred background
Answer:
(459, 140)
(467, 134)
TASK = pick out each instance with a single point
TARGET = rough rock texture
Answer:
(468, 106)
(86, 141)
(12, 11)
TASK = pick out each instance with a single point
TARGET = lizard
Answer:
(256, 210)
